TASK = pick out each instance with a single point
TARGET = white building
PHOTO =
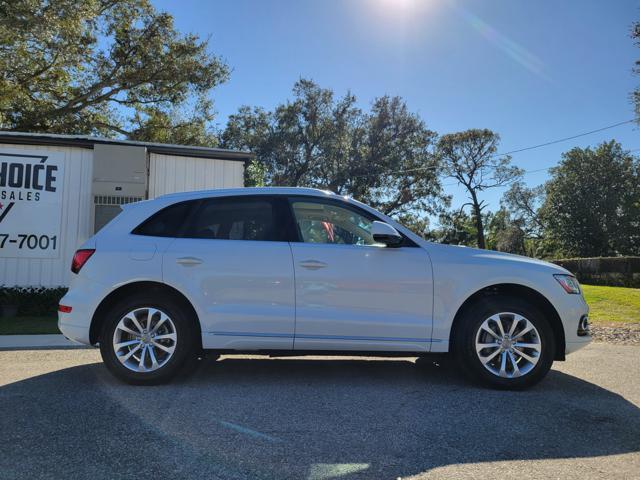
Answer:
(57, 190)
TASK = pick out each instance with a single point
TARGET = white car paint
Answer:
(369, 296)
(244, 290)
(279, 295)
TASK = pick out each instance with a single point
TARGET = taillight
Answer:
(80, 258)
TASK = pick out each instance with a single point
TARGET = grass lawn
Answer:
(612, 304)
(28, 325)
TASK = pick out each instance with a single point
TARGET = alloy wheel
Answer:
(508, 345)
(145, 339)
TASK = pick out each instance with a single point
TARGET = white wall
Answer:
(76, 223)
(171, 173)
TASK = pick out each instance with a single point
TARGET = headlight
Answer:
(569, 283)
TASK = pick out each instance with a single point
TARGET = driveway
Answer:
(63, 416)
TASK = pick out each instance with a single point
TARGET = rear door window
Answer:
(243, 218)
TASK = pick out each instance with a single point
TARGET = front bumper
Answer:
(575, 346)
(575, 322)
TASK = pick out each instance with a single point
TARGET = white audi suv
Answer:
(284, 271)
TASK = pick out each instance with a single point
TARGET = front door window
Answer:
(331, 224)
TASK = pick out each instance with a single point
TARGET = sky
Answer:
(532, 71)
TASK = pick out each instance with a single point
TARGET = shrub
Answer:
(32, 301)
(609, 271)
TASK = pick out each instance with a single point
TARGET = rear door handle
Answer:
(189, 261)
(312, 264)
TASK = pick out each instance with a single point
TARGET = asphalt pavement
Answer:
(62, 416)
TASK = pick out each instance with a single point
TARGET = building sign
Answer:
(30, 203)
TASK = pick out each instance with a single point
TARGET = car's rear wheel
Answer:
(504, 342)
(147, 340)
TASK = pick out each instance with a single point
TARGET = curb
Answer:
(37, 342)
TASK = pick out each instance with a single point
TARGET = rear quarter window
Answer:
(168, 222)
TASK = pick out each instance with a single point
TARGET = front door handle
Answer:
(189, 261)
(312, 264)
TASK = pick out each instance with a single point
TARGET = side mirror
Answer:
(385, 233)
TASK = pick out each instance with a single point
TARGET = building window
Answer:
(107, 207)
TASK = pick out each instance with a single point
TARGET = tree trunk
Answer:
(477, 211)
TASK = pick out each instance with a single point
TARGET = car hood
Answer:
(476, 255)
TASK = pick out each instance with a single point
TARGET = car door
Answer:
(235, 264)
(354, 294)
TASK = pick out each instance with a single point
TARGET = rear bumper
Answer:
(76, 333)
(83, 299)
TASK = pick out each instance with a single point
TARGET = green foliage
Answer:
(523, 203)
(635, 95)
(254, 174)
(28, 325)
(455, 228)
(592, 205)
(612, 271)
(175, 126)
(32, 301)
(505, 234)
(382, 157)
(103, 67)
(470, 158)
(416, 223)
(523, 207)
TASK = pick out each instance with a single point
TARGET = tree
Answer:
(418, 224)
(383, 157)
(109, 67)
(505, 233)
(523, 206)
(635, 34)
(524, 203)
(455, 228)
(152, 124)
(470, 158)
(592, 205)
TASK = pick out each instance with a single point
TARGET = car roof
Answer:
(227, 192)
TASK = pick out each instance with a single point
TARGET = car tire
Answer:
(490, 352)
(147, 340)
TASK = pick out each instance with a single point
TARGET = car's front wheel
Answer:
(146, 340)
(504, 342)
